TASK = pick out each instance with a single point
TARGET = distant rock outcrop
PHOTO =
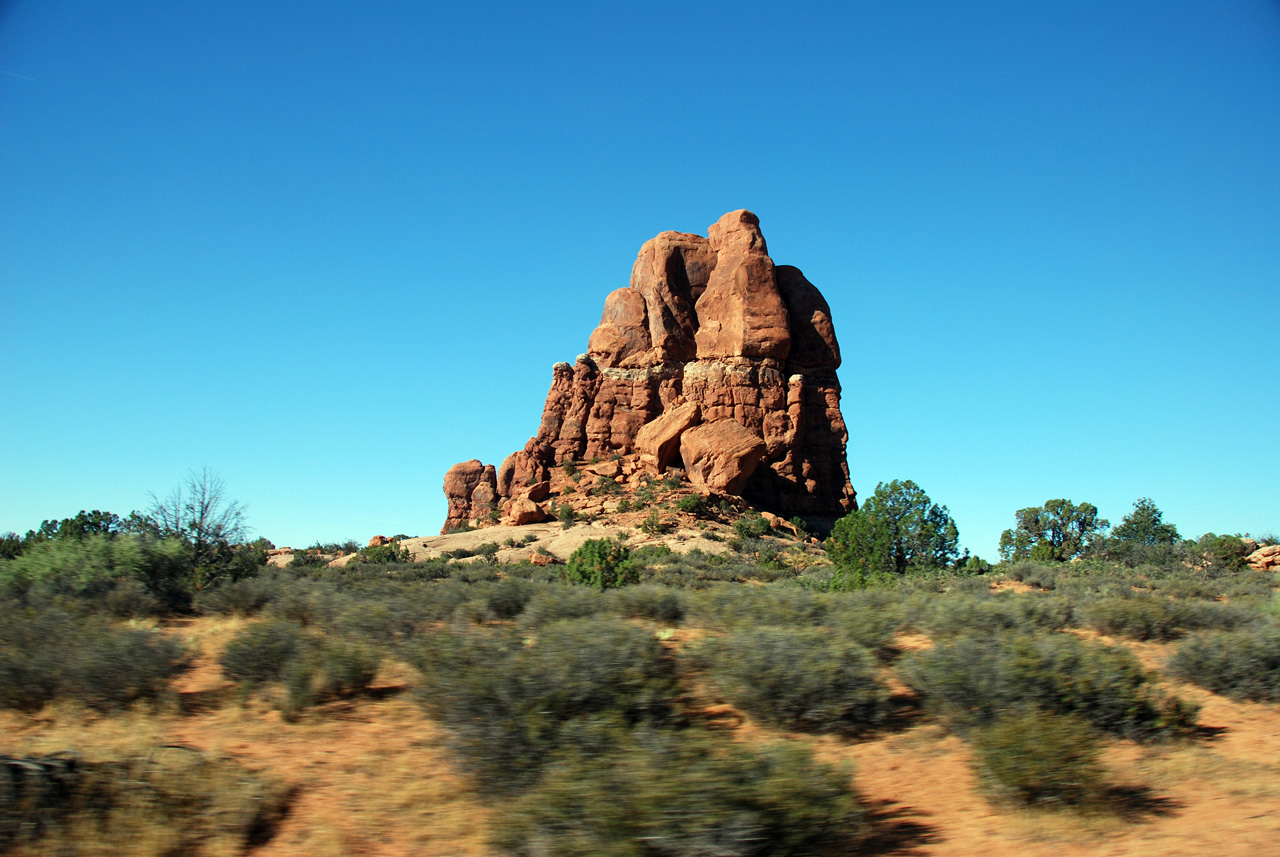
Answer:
(713, 361)
(1264, 558)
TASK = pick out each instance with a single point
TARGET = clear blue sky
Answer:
(329, 249)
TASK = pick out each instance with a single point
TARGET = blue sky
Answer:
(329, 249)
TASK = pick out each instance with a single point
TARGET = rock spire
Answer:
(713, 361)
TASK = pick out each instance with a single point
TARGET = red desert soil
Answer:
(372, 778)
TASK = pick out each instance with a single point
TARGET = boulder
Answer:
(523, 511)
(659, 441)
(721, 456)
(538, 491)
(378, 541)
(1265, 558)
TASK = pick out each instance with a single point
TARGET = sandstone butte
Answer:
(713, 362)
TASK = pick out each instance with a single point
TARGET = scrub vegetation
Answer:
(584, 705)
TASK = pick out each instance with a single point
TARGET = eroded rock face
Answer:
(471, 488)
(708, 332)
(720, 457)
(1265, 558)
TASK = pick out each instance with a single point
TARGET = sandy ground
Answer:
(371, 777)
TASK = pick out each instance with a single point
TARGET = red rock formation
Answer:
(472, 490)
(721, 456)
(708, 331)
(1265, 558)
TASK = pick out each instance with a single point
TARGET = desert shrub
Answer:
(869, 618)
(52, 654)
(649, 602)
(1039, 759)
(440, 600)
(473, 572)
(646, 556)
(89, 569)
(972, 679)
(245, 597)
(386, 554)
(326, 670)
(644, 496)
(308, 558)
(952, 614)
(566, 515)
(556, 603)
(381, 621)
(509, 706)
(171, 801)
(665, 794)
(728, 607)
(1218, 555)
(130, 599)
(311, 668)
(1035, 574)
(1155, 618)
(800, 678)
(507, 598)
(1241, 664)
(601, 564)
(751, 526)
(605, 487)
(694, 504)
(261, 652)
(307, 602)
(652, 524)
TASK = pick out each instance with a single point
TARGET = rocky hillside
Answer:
(713, 367)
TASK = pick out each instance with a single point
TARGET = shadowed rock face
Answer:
(708, 331)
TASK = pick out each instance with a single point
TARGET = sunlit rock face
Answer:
(709, 331)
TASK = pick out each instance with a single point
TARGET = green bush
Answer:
(1241, 664)
(386, 554)
(799, 678)
(652, 524)
(869, 618)
(1156, 618)
(507, 598)
(729, 607)
(694, 504)
(666, 794)
(311, 668)
(649, 602)
(558, 602)
(971, 680)
(171, 801)
(327, 670)
(52, 654)
(952, 614)
(309, 558)
(89, 569)
(601, 564)
(261, 652)
(1220, 554)
(1039, 759)
(510, 705)
(245, 597)
(751, 526)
